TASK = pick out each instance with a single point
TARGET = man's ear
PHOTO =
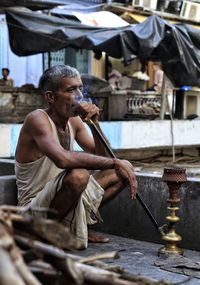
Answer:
(50, 96)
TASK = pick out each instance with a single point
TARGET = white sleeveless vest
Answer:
(31, 177)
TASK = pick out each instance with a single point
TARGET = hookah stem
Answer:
(138, 196)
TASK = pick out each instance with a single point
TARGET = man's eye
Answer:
(70, 90)
(74, 89)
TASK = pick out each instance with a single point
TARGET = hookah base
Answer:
(168, 250)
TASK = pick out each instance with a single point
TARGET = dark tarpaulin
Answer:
(32, 4)
(176, 46)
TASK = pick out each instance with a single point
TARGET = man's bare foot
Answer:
(92, 237)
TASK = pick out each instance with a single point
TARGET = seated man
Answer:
(50, 174)
(6, 80)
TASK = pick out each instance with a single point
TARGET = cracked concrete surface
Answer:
(138, 257)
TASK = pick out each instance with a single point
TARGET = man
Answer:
(50, 174)
(113, 76)
(6, 80)
(158, 76)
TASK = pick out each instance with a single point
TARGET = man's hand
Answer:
(88, 111)
(125, 170)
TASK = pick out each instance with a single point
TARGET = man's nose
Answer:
(78, 95)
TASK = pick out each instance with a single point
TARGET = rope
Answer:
(171, 129)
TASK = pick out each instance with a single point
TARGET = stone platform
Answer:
(139, 257)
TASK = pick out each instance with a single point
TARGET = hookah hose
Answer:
(160, 229)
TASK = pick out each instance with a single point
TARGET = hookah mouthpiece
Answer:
(76, 104)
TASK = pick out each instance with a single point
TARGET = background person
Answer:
(6, 80)
(50, 174)
(158, 76)
(113, 76)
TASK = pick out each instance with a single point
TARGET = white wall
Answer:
(22, 69)
(124, 135)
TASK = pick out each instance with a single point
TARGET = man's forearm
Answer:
(88, 161)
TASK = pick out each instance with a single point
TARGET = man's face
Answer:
(68, 95)
(4, 73)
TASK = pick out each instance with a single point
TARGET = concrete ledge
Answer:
(127, 218)
(8, 190)
(7, 167)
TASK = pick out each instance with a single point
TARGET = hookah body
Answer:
(174, 177)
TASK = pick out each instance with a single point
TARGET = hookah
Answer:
(174, 177)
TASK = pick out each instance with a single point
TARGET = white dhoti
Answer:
(85, 213)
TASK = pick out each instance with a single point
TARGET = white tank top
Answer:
(31, 177)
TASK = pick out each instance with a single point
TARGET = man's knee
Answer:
(76, 179)
(106, 177)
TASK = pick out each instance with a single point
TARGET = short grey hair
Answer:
(50, 79)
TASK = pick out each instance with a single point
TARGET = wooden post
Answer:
(179, 104)
(163, 97)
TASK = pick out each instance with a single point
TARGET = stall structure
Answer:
(177, 46)
(16, 103)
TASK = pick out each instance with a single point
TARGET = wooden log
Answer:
(54, 256)
(99, 264)
(28, 209)
(55, 233)
(31, 255)
(7, 243)
(6, 240)
(49, 230)
(40, 246)
(41, 249)
(68, 267)
(58, 258)
(10, 208)
(74, 271)
(105, 255)
(94, 275)
(8, 272)
(22, 268)
(90, 274)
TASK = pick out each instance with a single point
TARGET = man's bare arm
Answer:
(40, 130)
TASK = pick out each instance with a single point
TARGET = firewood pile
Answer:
(35, 251)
